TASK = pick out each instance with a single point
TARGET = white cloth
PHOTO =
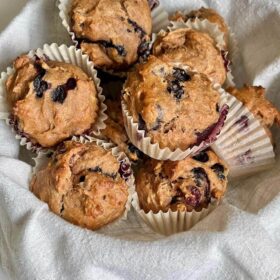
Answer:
(239, 240)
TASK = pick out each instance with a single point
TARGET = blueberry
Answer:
(176, 89)
(44, 86)
(71, 84)
(40, 86)
(180, 74)
(202, 181)
(59, 94)
(202, 157)
(109, 44)
(82, 178)
(37, 82)
(219, 170)
(144, 50)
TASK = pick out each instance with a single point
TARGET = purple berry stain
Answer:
(210, 134)
(243, 123)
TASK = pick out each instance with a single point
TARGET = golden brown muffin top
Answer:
(173, 105)
(114, 33)
(51, 100)
(253, 97)
(184, 185)
(82, 184)
(193, 48)
(204, 13)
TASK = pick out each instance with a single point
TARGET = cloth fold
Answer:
(239, 240)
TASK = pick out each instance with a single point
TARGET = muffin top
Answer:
(184, 185)
(193, 48)
(114, 33)
(50, 100)
(173, 105)
(253, 97)
(205, 13)
(82, 183)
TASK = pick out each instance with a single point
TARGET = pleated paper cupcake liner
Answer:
(243, 142)
(153, 150)
(43, 157)
(172, 222)
(159, 20)
(61, 53)
(213, 30)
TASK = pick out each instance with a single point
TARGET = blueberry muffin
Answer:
(84, 184)
(202, 14)
(185, 185)
(114, 33)
(175, 107)
(50, 100)
(253, 97)
(193, 48)
(115, 130)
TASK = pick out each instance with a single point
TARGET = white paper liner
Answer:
(213, 30)
(243, 142)
(58, 53)
(144, 143)
(41, 160)
(171, 222)
(159, 19)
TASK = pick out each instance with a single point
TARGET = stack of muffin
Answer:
(168, 94)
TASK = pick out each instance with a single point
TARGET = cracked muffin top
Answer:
(50, 100)
(193, 48)
(177, 108)
(184, 185)
(114, 33)
(84, 184)
(253, 97)
(204, 13)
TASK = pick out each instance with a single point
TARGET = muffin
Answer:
(185, 185)
(84, 184)
(114, 33)
(115, 130)
(176, 108)
(253, 97)
(204, 13)
(193, 48)
(50, 100)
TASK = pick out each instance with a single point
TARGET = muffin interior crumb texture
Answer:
(84, 184)
(50, 100)
(184, 185)
(113, 33)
